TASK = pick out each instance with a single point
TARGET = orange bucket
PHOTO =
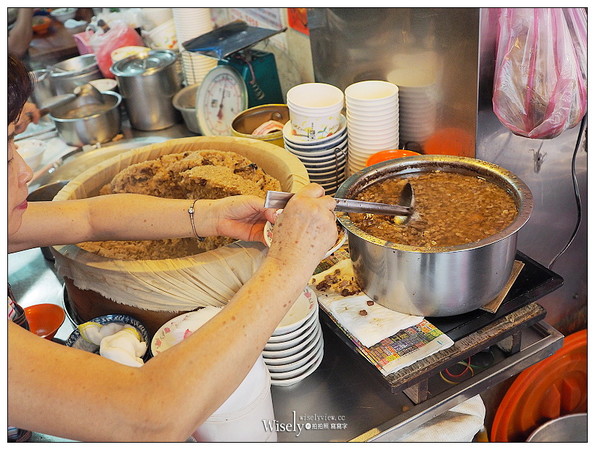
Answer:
(385, 155)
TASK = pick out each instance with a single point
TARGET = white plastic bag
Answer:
(540, 82)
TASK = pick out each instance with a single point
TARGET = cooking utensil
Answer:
(88, 91)
(155, 72)
(73, 72)
(98, 127)
(275, 199)
(441, 281)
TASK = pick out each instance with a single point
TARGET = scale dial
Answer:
(221, 96)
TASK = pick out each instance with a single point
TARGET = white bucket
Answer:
(243, 416)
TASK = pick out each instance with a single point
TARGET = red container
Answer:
(45, 319)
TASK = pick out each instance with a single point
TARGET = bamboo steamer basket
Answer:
(155, 291)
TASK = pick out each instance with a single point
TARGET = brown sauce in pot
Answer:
(450, 209)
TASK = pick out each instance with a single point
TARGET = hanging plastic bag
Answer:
(540, 82)
(118, 34)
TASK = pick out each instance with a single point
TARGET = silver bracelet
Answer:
(191, 214)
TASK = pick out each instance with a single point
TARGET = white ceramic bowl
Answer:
(300, 141)
(316, 335)
(295, 333)
(32, 151)
(63, 14)
(317, 152)
(320, 169)
(306, 335)
(301, 310)
(301, 362)
(276, 360)
(284, 375)
(298, 378)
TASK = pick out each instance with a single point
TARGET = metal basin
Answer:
(73, 72)
(95, 128)
(441, 281)
(570, 428)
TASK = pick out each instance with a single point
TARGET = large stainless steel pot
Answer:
(73, 72)
(92, 129)
(148, 82)
(434, 281)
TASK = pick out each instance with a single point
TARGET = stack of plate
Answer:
(189, 24)
(372, 120)
(296, 348)
(324, 159)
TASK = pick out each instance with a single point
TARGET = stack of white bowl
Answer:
(417, 76)
(189, 24)
(372, 120)
(317, 132)
(296, 348)
(324, 159)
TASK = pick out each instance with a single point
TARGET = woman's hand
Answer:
(29, 114)
(240, 216)
(306, 229)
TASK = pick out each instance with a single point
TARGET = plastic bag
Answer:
(540, 82)
(118, 35)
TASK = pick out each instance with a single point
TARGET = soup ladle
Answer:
(402, 211)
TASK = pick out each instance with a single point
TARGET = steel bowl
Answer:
(570, 428)
(73, 72)
(95, 128)
(441, 281)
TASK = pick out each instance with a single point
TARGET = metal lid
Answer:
(144, 64)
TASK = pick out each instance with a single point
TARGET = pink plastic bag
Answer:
(118, 35)
(540, 82)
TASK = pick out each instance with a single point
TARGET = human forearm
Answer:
(131, 217)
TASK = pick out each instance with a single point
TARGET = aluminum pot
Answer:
(442, 281)
(73, 72)
(148, 83)
(92, 129)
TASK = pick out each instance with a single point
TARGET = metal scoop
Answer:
(85, 90)
(275, 199)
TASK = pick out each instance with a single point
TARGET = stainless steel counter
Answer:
(341, 401)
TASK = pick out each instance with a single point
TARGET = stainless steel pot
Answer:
(441, 281)
(95, 128)
(148, 83)
(73, 72)
(185, 102)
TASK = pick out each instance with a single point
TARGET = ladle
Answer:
(404, 210)
(84, 90)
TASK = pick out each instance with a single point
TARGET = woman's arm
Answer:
(171, 395)
(137, 217)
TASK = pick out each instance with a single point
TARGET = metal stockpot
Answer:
(73, 72)
(442, 281)
(148, 82)
(95, 128)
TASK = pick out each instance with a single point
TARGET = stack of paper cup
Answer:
(417, 77)
(190, 23)
(372, 120)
